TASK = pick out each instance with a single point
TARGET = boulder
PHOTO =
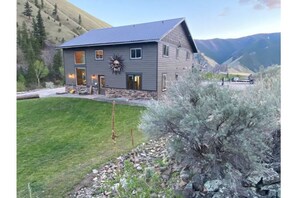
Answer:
(213, 185)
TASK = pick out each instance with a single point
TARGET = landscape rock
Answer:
(263, 177)
(212, 185)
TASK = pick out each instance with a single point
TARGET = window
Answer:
(188, 55)
(135, 53)
(177, 53)
(134, 81)
(81, 76)
(79, 57)
(176, 76)
(164, 82)
(165, 50)
(98, 54)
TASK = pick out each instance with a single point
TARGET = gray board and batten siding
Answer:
(150, 37)
(146, 66)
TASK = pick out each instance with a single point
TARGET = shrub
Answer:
(215, 126)
(131, 182)
(21, 86)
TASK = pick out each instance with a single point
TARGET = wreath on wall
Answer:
(116, 64)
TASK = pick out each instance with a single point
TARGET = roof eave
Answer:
(107, 44)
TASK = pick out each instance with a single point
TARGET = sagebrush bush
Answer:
(213, 125)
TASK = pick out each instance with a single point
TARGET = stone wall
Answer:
(81, 89)
(130, 94)
(114, 93)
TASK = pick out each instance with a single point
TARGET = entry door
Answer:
(101, 82)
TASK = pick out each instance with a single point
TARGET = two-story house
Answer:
(134, 61)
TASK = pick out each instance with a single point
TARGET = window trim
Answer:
(166, 50)
(75, 57)
(136, 48)
(134, 74)
(164, 88)
(99, 59)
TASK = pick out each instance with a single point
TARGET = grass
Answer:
(60, 140)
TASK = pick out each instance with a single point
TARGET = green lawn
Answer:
(60, 140)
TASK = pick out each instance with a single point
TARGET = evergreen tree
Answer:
(36, 3)
(24, 36)
(40, 71)
(19, 37)
(79, 19)
(40, 34)
(55, 11)
(28, 10)
(57, 64)
(42, 5)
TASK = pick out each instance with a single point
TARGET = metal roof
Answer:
(138, 33)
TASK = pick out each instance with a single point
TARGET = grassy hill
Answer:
(66, 26)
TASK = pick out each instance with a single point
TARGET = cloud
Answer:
(224, 12)
(261, 4)
(271, 3)
(258, 6)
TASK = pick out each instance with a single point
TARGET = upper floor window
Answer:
(135, 53)
(165, 50)
(98, 54)
(79, 57)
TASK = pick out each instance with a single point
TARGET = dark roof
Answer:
(139, 33)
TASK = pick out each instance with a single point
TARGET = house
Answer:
(134, 61)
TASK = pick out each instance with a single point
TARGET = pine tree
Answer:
(28, 10)
(55, 11)
(57, 64)
(42, 5)
(79, 19)
(40, 34)
(36, 3)
(24, 36)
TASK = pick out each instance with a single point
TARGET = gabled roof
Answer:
(138, 33)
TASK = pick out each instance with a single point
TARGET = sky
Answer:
(206, 19)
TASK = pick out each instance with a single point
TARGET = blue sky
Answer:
(205, 18)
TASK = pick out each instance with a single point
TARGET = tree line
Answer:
(31, 43)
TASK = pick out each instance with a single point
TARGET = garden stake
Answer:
(113, 135)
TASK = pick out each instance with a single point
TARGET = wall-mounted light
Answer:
(71, 76)
(93, 77)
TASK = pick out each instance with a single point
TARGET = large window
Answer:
(79, 57)
(164, 82)
(98, 54)
(134, 81)
(135, 53)
(165, 50)
(81, 76)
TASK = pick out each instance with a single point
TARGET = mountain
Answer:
(244, 54)
(63, 26)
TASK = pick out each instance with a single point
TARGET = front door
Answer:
(101, 82)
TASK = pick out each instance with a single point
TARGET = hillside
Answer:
(66, 25)
(244, 54)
